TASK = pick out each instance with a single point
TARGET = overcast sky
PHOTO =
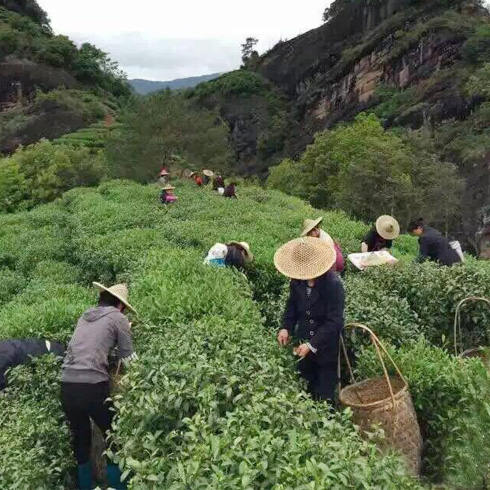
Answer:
(168, 39)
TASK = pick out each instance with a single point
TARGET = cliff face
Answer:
(404, 60)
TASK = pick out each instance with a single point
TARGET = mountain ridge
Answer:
(144, 87)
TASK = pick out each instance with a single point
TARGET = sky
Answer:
(164, 40)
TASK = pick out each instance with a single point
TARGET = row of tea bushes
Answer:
(214, 403)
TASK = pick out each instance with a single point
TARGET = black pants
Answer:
(322, 379)
(82, 402)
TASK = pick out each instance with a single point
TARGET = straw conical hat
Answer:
(192, 174)
(305, 258)
(246, 247)
(208, 173)
(164, 172)
(168, 188)
(387, 227)
(120, 291)
(309, 224)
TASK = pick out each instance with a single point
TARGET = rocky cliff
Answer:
(409, 61)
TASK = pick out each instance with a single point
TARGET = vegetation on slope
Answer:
(213, 402)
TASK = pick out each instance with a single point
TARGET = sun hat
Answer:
(305, 258)
(309, 224)
(168, 188)
(120, 291)
(387, 227)
(246, 247)
(192, 174)
(208, 173)
(164, 172)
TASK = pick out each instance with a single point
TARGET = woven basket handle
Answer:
(457, 321)
(379, 349)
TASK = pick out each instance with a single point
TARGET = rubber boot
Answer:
(85, 476)
(114, 477)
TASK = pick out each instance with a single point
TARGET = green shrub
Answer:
(34, 438)
(433, 292)
(451, 400)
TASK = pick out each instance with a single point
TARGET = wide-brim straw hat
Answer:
(119, 291)
(168, 188)
(208, 173)
(310, 224)
(246, 248)
(192, 174)
(387, 227)
(164, 172)
(305, 258)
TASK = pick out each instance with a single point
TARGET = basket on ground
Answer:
(386, 402)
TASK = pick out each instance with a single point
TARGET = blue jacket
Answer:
(317, 318)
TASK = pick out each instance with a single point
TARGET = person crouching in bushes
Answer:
(314, 313)
(311, 227)
(233, 254)
(230, 191)
(381, 236)
(15, 352)
(218, 183)
(167, 195)
(85, 377)
(197, 178)
(432, 245)
(207, 175)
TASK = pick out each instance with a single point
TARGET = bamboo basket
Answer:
(385, 401)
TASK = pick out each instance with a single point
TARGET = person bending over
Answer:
(85, 375)
(14, 352)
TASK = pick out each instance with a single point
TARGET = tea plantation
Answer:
(212, 401)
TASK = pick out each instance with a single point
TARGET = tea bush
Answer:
(213, 402)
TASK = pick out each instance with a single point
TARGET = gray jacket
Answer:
(98, 332)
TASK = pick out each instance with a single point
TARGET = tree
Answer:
(158, 127)
(248, 51)
(367, 171)
(12, 185)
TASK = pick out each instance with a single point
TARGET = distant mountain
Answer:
(144, 87)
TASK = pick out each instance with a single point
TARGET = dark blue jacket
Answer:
(15, 352)
(435, 247)
(319, 317)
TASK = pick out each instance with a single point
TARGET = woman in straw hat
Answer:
(167, 195)
(314, 311)
(233, 254)
(164, 176)
(207, 176)
(85, 376)
(381, 236)
(311, 227)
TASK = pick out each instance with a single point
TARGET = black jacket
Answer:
(319, 317)
(435, 247)
(15, 352)
(375, 242)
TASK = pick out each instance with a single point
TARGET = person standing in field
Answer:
(207, 175)
(163, 177)
(15, 352)
(85, 377)
(314, 313)
(311, 227)
(381, 236)
(432, 245)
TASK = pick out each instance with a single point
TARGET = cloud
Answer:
(165, 59)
